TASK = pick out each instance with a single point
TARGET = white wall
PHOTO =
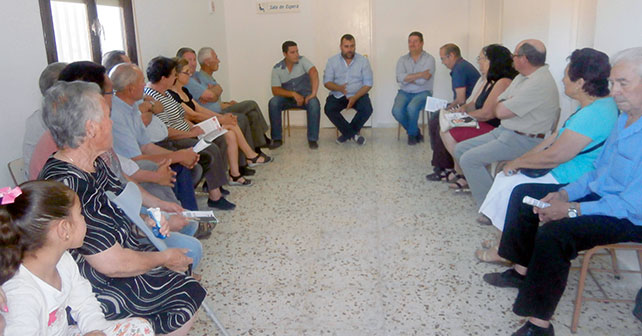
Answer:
(21, 62)
(164, 26)
(618, 25)
(254, 43)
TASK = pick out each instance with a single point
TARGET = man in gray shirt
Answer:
(415, 77)
(528, 109)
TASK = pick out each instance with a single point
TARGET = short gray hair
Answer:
(113, 58)
(204, 54)
(122, 75)
(66, 108)
(49, 76)
(631, 55)
(533, 56)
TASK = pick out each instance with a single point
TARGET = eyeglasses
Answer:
(186, 73)
(517, 55)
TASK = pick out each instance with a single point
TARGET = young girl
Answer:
(39, 222)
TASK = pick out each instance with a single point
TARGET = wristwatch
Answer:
(572, 211)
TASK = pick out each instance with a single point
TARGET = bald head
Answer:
(123, 75)
(533, 50)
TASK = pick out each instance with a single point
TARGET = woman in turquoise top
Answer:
(570, 151)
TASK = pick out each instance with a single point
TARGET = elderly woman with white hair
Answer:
(129, 277)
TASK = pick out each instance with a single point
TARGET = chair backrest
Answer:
(17, 171)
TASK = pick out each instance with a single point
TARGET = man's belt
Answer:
(538, 136)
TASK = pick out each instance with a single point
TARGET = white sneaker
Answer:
(359, 139)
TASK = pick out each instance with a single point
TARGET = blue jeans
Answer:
(312, 108)
(184, 187)
(334, 106)
(407, 107)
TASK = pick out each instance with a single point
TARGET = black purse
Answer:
(539, 172)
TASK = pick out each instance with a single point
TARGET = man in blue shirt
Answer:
(207, 91)
(602, 207)
(348, 76)
(464, 76)
(295, 81)
(414, 74)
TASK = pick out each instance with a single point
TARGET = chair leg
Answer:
(212, 316)
(614, 264)
(288, 116)
(640, 261)
(423, 121)
(580, 289)
(398, 132)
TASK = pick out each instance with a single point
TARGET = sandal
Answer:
(490, 256)
(204, 230)
(235, 181)
(253, 162)
(439, 176)
(460, 183)
(489, 243)
(451, 176)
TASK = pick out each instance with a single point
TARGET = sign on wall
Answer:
(271, 7)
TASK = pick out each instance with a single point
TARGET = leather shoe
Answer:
(530, 329)
(412, 140)
(246, 171)
(509, 278)
(313, 144)
(275, 144)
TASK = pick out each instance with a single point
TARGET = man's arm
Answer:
(460, 96)
(352, 100)
(502, 112)
(314, 82)
(186, 157)
(280, 91)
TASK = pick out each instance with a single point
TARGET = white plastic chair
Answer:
(17, 171)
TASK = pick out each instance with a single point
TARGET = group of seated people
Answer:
(586, 170)
(106, 145)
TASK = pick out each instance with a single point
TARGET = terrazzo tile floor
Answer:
(351, 240)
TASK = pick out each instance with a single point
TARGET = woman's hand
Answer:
(177, 260)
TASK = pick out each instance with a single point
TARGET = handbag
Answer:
(539, 172)
(448, 120)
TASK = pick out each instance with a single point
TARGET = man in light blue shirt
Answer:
(415, 77)
(348, 76)
(602, 207)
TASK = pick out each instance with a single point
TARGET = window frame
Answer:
(92, 15)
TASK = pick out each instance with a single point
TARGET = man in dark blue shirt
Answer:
(464, 76)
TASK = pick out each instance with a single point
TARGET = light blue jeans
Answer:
(406, 109)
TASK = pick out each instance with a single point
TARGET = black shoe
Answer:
(437, 175)
(412, 140)
(246, 171)
(637, 310)
(420, 137)
(342, 139)
(274, 144)
(268, 142)
(530, 329)
(313, 144)
(360, 140)
(509, 278)
(223, 191)
(221, 204)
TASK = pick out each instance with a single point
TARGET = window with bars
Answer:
(76, 30)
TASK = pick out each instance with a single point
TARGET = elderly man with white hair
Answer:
(602, 207)
(207, 91)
